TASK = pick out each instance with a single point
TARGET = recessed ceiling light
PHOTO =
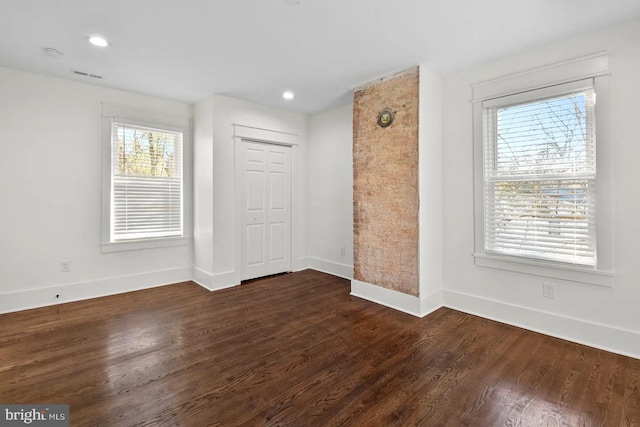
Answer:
(98, 41)
(287, 95)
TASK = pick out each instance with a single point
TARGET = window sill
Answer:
(134, 245)
(547, 269)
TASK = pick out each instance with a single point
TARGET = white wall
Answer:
(331, 191)
(50, 195)
(214, 234)
(430, 186)
(203, 190)
(600, 316)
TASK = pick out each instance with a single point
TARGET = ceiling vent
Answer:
(53, 53)
(85, 74)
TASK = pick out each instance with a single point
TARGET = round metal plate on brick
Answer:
(385, 117)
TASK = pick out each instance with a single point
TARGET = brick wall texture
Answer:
(385, 184)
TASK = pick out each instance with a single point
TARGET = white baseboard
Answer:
(605, 337)
(430, 303)
(409, 304)
(341, 270)
(215, 282)
(597, 335)
(300, 264)
(592, 334)
(41, 297)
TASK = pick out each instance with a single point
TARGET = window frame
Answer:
(491, 126)
(544, 80)
(150, 119)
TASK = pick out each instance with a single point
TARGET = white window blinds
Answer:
(540, 175)
(146, 183)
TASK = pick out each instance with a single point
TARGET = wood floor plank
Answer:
(299, 350)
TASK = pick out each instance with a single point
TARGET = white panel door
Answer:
(266, 200)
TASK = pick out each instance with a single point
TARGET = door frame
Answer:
(242, 133)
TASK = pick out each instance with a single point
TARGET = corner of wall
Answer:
(202, 191)
(52, 295)
(331, 267)
(415, 306)
(431, 217)
(592, 334)
(215, 282)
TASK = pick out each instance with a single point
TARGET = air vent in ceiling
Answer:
(85, 74)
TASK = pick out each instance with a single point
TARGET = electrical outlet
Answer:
(548, 290)
(342, 251)
(65, 266)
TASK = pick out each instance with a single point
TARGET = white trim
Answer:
(46, 296)
(598, 335)
(593, 65)
(393, 299)
(300, 264)
(214, 282)
(264, 135)
(547, 269)
(202, 278)
(242, 133)
(154, 119)
(148, 117)
(409, 304)
(540, 94)
(134, 245)
(341, 270)
(430, 303)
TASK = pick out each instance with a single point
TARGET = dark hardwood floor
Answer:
(298, 350)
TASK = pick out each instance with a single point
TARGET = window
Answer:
(540, 175)
(146, 183)
(145, 193)
(543, 172)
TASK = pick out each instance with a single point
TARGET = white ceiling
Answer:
(256, 49)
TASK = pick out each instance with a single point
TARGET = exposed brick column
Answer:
(385, 183)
